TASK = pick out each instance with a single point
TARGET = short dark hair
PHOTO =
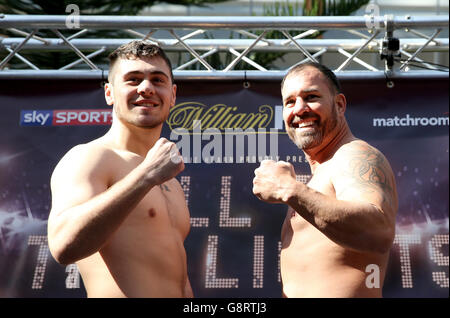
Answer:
(332, 79)
(138, 49)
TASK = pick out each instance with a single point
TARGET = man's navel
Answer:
(151, 213)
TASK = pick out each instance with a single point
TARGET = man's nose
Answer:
(146, 88)
(300, 106)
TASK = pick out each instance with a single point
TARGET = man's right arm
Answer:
(86, 211)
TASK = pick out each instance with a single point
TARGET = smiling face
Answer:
(141, 91)
(311, 110)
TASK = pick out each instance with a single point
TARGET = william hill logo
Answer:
(219, 116)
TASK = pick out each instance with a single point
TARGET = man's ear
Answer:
(341, 103)
(174, 95)
(109, 96)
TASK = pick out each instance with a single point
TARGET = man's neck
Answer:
(318, 155)
(131, 138)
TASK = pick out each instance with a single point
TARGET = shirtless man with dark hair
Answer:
(117, 210)
(340, 226)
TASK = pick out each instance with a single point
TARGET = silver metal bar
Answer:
(24, 59)
(215, 22)
(418, 60)
(195, 60)
(343, 65)
(76, 50)
(364, 36)
(93, 54)
(420, 34)
(16, 49)
(299, 36)
(237, 59)
(143, 36)
(251, 35)
(23, 33)
(357, 60)
(135, 33)
(241, 24)
(73, 36)
(304, 51)
(223, 44)
(317, 54)
(187, 36)
(187, 47)
(148, 37)
(216, 75)
(246, 59)
(421, 48)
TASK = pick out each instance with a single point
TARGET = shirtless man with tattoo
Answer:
(343, 220)
(117, 210)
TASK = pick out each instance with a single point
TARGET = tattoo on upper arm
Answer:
(370, 172)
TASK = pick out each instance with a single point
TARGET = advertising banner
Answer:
(224, 130)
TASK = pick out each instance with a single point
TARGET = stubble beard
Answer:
(311, 139)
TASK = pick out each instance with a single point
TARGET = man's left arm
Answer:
(365, 178)
(362, 215)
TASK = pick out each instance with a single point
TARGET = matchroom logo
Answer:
(409, 121)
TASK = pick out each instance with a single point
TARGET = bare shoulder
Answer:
(83, 157)
(363, 167)
(363, 160)
(358, 152)
(84, 164)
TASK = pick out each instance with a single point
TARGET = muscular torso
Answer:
(314, 266)
(145, 257)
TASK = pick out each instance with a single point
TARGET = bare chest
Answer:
(161, 210)
(295, 226)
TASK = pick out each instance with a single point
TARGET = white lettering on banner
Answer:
(278, 117)
(404, 240)
(41, 264)
(35, 117)
(236, 149)
(225, 220)
(83, 117)
(408, 121)
(185, 182)
(402, 243)
(258, 261)
(439, 258)
(73, 276)
(211, 280)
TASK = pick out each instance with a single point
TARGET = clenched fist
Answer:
(274, 181)
(163, 161)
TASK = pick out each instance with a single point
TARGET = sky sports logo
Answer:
(66, 117)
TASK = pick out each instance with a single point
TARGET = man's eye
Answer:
(289, 103)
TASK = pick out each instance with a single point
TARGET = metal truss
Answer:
(199, 37)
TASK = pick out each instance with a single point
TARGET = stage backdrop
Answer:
(234, 244)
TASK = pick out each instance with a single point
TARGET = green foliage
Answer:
(332, 7)
(90, 7)
(52, 60)
(310, 8)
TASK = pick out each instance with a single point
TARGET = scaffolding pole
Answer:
(186, 34)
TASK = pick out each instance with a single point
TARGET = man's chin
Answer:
(304, 142)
